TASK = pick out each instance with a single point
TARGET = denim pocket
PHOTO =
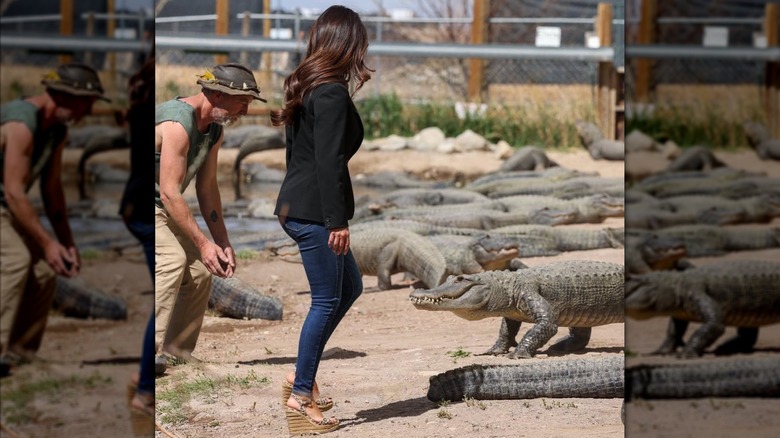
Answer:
(294, 226)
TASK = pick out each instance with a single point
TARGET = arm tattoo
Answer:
(214, 216)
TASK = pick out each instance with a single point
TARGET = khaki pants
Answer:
(27, 286)
(182, 286)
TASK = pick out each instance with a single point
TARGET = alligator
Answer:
(479, 215)
(578, 294)
(655, 215)
(107, 140)
(382, 209)
(395, 180)
(756, 209)
(564, 238)
(592, 377)
(385, 251)
(75, 299)
(260, 141)
(695, 158)
(236, 136)
(552, 174)
(760, 140)
(597, 145)
(260, 173)
(735, 189)
(567, 189)
(418, 227)
(741, 293)
(470, 255)
(654, 252)
(97, 173)
(411, 198)
(711, 240)
(664, 180)
(527, 158)
(728, 377)
(590, 209)
(233, 298)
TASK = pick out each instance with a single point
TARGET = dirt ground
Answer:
(376, 366)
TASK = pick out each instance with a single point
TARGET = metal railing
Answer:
(62, 44)
(668, 51)
(212, 44)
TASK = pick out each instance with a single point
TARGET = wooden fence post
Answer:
(646, 36)
(772, 77)
(223, 20)
(606, 74)
(66, 24)
(477, 65)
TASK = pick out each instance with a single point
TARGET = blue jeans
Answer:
(335, 283)
(144, 232)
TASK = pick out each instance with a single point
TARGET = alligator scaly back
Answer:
(601, 377)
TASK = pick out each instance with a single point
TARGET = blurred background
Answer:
(92, 344)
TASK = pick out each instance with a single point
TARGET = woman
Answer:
(315, 201)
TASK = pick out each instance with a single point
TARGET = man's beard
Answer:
(226, 121)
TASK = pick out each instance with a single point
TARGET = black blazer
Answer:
(326, 134)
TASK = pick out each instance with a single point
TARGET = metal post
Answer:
(266, 34)
(90, 32)
(245, 23)
(606, 74)
(478, 36)
(111, 33)
(772, 79)
(378, 89)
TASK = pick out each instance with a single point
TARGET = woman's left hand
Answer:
(338, 240)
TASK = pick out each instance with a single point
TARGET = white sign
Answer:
(716, 36)
(759, 40)
(547, 36)
(592, 40)
(281, 33)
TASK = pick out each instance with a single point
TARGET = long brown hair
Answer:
(337, 45)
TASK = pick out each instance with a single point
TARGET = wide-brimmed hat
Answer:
(233, 79)
(76, 79)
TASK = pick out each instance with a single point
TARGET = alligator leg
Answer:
(674, 336)
(712, 325)
(533, 305)
(576, 340)
(506, 337)
(385, 265)
(742, 343)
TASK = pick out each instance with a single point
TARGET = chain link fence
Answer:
(411, 78)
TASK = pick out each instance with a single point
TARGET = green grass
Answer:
(688, 127)
(519, 126)
(91, 254)
(16, 401)
(457, 354)
(246, 254)
(174, 398)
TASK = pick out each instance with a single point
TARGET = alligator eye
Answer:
(458, 279)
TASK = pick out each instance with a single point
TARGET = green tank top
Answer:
(200, 144)
(44, 143)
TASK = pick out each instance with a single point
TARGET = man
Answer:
(32, 137)
(188, 135)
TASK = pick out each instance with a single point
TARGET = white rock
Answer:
(470, 141)
(369, 146)
(428, 139)
(503, 150)
(261, 208)
(671, 150)
(447, 146)
(639, 141)
(391, 143)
